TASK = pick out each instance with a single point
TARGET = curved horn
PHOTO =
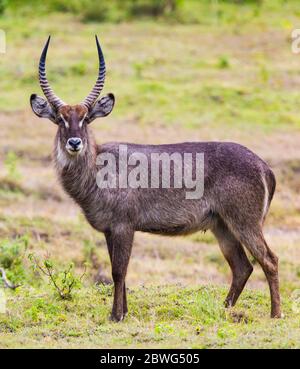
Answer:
(89, 101)
(55, 101)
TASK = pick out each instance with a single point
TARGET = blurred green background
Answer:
(205, 61)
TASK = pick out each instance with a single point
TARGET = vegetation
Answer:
(11, 259)
(2, 6)
(63, 282)
(161, 317)
(194, 70)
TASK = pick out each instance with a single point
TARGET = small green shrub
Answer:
(12, 254)
(64, 282)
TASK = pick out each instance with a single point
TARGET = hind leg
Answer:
(269, 263)
(252, 238)
(236, 257)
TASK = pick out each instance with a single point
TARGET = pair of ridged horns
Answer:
(54, 100)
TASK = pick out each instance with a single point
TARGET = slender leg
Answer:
(269, 263)
(110, 250)
(125, 308)
(252, 238)
(119, 242)
(236, 257)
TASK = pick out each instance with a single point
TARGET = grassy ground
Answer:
(226, 77)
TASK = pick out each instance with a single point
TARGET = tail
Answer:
(270, 186)
(271, 182)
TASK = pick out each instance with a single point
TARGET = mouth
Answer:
(74, 150)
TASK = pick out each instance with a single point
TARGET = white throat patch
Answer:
(62, 158)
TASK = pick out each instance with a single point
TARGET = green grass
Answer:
(160, 315)
(164, 316)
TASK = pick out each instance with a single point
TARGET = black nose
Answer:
(74, 142)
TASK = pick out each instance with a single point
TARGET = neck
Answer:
(77, 173)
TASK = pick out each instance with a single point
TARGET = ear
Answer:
(42, 108)
(102, 107)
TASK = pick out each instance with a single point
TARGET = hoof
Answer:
(116, 318)
(278, 315)
(228, 304)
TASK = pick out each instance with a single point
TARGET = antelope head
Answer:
(72, 120)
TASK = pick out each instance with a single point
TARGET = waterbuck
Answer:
(237, 192)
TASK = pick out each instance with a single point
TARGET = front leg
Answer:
(110, 250)
(119, 242)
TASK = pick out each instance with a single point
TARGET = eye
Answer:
(61, 123)
(59, 120)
